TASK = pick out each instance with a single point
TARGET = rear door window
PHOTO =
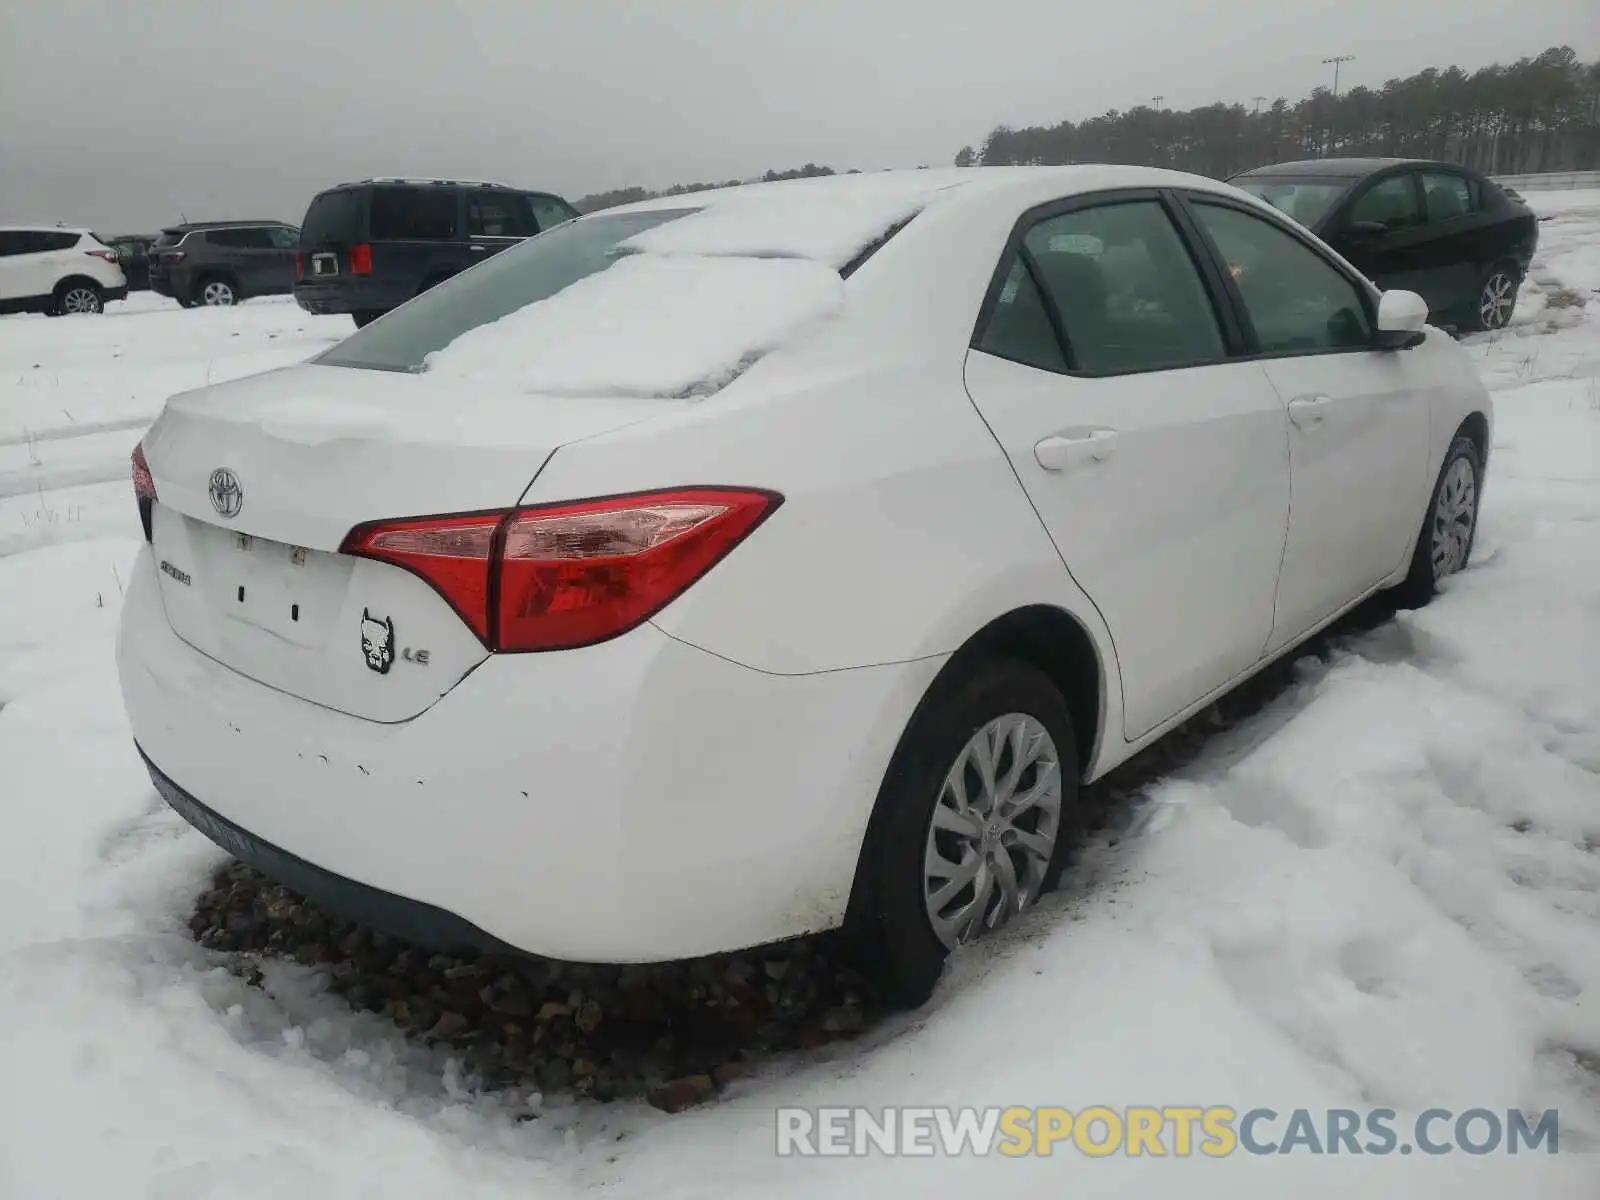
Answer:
(413, 214)
(1446, 195)
(240, 239)
(499, 214)
(1129, 294)
(1391, 203)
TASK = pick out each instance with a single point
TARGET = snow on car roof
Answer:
(826, 225)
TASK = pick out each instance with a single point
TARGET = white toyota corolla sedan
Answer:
(733, 566)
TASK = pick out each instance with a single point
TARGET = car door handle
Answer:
(1060, 451)
(476, 249)
(1306, 411)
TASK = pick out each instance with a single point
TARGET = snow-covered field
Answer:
(1383, 890)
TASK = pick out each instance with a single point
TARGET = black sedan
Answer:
(1440, 230)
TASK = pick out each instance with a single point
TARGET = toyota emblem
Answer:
(227, 497)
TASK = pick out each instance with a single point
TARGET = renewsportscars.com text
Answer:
(1217, 1131)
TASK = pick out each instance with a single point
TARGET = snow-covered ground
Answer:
(1383, 890)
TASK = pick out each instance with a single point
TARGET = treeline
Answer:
(1537, 114)
(630, 195)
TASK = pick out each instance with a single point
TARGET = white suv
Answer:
(54, 270)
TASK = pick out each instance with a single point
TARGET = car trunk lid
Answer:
(259, 481)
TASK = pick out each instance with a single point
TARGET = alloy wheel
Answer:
(1455, 513)
(994, 829)
(81, 300)
(1495, 302)
(217, 294)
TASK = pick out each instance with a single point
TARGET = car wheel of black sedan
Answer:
(1497, 299)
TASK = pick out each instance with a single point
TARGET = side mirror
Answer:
(1366, 229)
(1401, 318)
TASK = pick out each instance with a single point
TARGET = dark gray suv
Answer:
(223, 262)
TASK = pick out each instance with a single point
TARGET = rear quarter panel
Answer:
(902, 532)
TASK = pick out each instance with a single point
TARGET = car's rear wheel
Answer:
(1497, 298)
(365, 316)
(973, 823)
(1444, 544)
(216, 293)
(77, 296)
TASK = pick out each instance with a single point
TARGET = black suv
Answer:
(223, 262)
(368, 247)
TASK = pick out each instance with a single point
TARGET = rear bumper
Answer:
(175, 285)
(421, 924)
(115, 293)
(348, 294)
(633, 801)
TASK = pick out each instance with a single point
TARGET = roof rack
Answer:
(424, 181)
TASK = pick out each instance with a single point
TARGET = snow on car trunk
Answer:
(259, 482)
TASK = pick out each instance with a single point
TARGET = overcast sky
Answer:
(122, 114)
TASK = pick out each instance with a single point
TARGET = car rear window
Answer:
(333, 217)
(169, 237)
(1305, 200)
(531, 271)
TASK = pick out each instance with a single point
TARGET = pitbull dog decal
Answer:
(377, 642)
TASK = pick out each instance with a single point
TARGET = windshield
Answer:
(1306, 200)
(528, 272)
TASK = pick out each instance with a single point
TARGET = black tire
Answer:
(209, 291)
(365, 316)
(1494, 300)
(1422, 581)
(888, 931)
(74, 296)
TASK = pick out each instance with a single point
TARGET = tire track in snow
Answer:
(44, 479)
(82, 429)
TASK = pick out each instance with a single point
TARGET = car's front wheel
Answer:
(973, 824)
(1444, 544)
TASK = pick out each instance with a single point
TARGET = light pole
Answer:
(1158, 100)
(1336, 60)
(1259, 100)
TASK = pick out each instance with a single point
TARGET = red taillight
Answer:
(107, 255)
(451, 553)
(359, 259)
(556, 576)
(144, 489)
(299, 266)
(173, 256)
